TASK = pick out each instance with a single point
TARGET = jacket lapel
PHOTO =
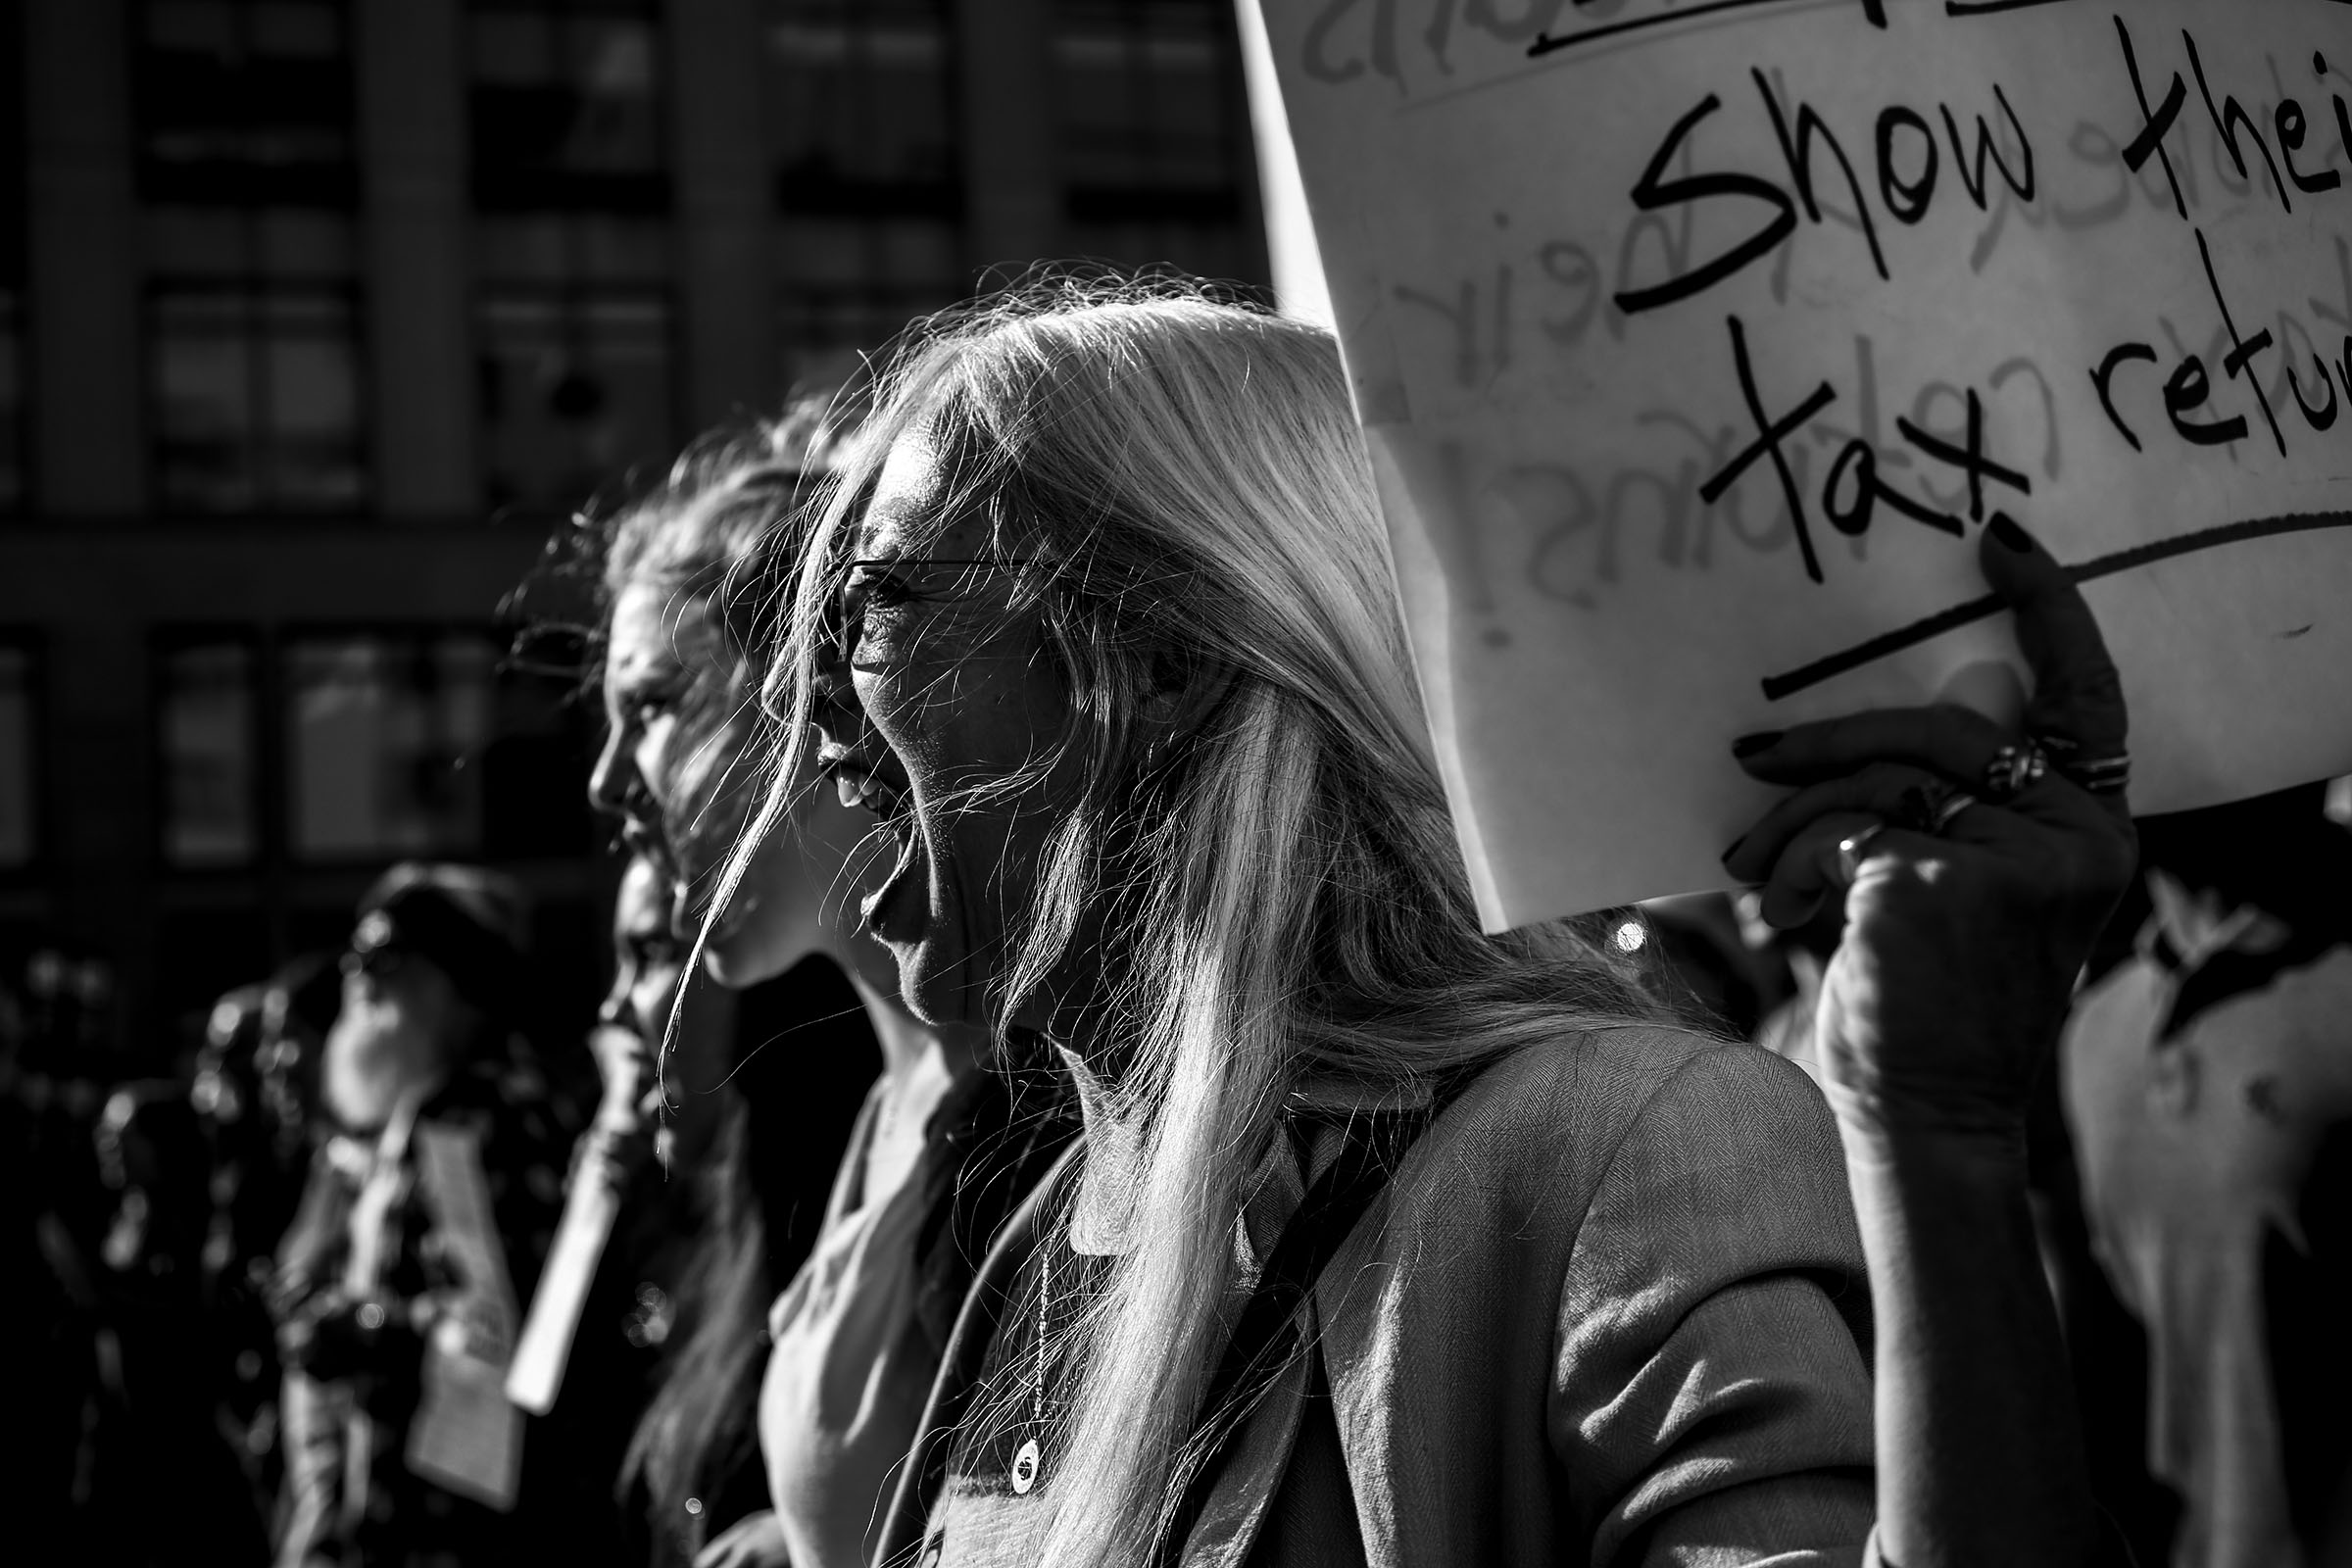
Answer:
(1237, 1506)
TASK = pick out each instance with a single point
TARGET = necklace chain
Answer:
(1044, 1295)
(1030, 1461)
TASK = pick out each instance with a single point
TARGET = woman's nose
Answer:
(613, 781)
(833, 706)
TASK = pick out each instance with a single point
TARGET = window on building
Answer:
(862, 123)
(205, 715)
(256, 393)
(566, 105)
(1153, 131)
(861, 107)
(245, 102)
(20, 778)
(576, 388)
(826, 328)
(11, 399)
(382, 732)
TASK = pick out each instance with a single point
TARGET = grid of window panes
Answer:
(862, 112)
(566, 105)
(1153, 132)
(383, 730)
(245, 102)
(861, 107)
(576, 390)
(255, 390)
(827, 331)
(19, 780)
(253, 369)
(205, 712)
(573, 325)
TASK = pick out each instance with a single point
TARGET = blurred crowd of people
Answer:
(266, 1311)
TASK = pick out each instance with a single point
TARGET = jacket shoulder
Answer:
(1611, 1116)
(1592, 1083)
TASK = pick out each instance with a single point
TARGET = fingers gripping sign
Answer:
(2078, 707)
(1974, 884)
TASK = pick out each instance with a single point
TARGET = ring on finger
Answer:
(1930, 806)
(1853, 846)
(1950, 807)
(2013, 768)
(2108, 774)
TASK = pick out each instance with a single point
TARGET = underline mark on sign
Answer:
(1873, 11)
(1777, 687)
(1987, 8)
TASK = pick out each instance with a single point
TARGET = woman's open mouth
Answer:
(885, 911)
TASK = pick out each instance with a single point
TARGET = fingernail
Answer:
(1763, 740)
(2004, 528)
(1733, 850)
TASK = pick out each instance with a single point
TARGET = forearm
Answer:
(1979, 1457)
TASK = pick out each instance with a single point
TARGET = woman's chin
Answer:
(933, 986)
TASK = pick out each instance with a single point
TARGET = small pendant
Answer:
(1024, 1468)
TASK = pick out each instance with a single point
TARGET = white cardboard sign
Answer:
(1696, 343)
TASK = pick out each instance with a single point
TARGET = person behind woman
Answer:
(940, 1147)
(1101, 623)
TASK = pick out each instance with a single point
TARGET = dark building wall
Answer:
(747, 192)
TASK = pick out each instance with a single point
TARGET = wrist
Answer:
(1884, 1125)
(1987, 1149)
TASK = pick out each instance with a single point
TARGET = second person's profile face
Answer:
(679, 706)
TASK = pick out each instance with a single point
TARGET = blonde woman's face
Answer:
(652, 647)
(933, 695)
(659, 648)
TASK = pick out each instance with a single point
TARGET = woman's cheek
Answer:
(898, 718)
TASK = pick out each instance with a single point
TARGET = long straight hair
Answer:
(1186, 479)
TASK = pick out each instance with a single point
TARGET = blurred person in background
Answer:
(158, 1469)
(297, 1011)
(62, 1026)
(941, 1149)
(256, 1108)
(2207, 1079)
(418, 1233)
(30, 1308)
(671, 1210)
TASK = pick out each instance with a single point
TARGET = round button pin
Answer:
(1024, 1468)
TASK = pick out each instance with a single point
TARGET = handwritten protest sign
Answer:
(1695, 344)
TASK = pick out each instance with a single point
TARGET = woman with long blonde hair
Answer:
(1389, 1240)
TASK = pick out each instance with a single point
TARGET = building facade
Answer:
(319, 317)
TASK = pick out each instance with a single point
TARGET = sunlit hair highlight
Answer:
(1187, 487)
